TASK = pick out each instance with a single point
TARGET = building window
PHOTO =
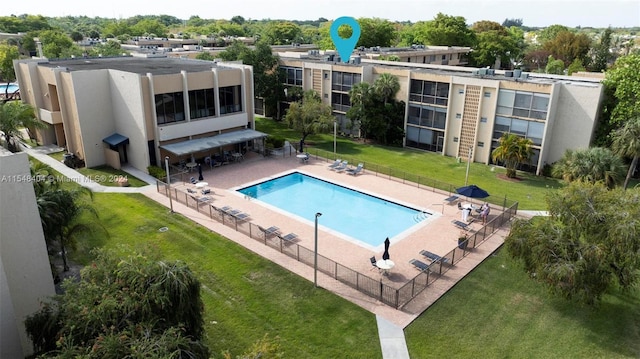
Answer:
(340, 101)
(344, 81)
(458, 115)
(455, 139)
(480, 144)
(292, 75)
(461, 91)
(230, 99)
(429, 92)
(169, 107)
(202, 103)
(483, 119)
(428, 116)
(523, 104)
(326, 75)
(425, 139)
(487, 94)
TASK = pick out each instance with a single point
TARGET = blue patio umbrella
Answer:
(200, 177)
(472, 191)
(385, 255)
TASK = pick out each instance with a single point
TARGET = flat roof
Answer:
(139, 65)
(207, 143)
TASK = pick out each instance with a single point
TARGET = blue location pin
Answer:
(345, 46)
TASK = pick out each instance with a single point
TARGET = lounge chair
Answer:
(422, 266)
(335, 164)
(289, 238)
(342, 167)
(206, 191)
(191, 190)
(461, 224)
(453, 199)
(355, 171)
(240, 215)
(434, 257)
(269, 231)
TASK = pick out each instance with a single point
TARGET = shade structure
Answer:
(385, 255)
(472, 191)
(200, 177)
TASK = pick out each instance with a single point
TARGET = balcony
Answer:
(50, 117)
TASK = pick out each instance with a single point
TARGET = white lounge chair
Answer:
(335, 164)
(355, 171)
(342, 167)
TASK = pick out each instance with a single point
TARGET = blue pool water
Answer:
(363, 217)
(12, 88)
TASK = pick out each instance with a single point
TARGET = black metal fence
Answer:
(373, 287)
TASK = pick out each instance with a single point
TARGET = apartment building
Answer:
(137, 110)
(457, 111)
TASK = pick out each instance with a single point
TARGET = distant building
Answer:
(25, 273)
(136, 109)
(452, 109)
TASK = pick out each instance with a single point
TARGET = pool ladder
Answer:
(421, 216)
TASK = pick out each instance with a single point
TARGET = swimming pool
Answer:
(362, 217)
(12, 88)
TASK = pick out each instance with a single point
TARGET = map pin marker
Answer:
(345, 46)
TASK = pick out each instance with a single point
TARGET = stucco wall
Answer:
(26, 274)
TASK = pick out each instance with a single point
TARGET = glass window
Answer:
(230, 99)
(523, 100)
(535, 132)
(426, 136)
(416, 87)
(413, 133)
(442, 89)
(501, 110)
(506, 98)
(540, 102)
(519, 127)
(440, 118)
(169, 107)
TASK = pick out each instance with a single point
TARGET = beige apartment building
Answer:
(137, 110)
(456, 110)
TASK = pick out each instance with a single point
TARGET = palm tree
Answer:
(14, 116)
(43, 178)
(595, 164)
(513, 150)
(59, 211)
(386, 86)
(626, 143)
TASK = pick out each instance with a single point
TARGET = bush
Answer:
(275, 141)
(156, 172)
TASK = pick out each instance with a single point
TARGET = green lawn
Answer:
(107, 176)
(498, 312)
(529, 190)
(245, 295)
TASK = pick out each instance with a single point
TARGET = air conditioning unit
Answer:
(354, 60)
(524, 76)
(508, 74)
(517, 73)
(491, 72)
(482, 72)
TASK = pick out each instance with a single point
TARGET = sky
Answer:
(541, 13)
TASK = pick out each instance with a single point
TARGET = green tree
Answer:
(624, 79)
(14, 117)
(444, 30)
(148, 27)
(55, 43)
(575, 66)
(601, 51)
(60, 212)
(281, 33)
(123, 307)
(494, 42)
(554, 66)
(116, 28)
(549, 33)
(205, 56)
(586, 247)
(568, 46)
(595, 164)
(310, 116)
(76, 36)
(376, 32)
(512, 151)
(626, 143)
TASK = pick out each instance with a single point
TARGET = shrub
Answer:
(156, 172)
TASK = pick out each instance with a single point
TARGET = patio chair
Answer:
(191, 190)
(239, 215)
(342, 167)
(453, 199)
(289, 238)
(374, 263)
(335, 164)
(269, 231)
(434, 257)
(461, 224)
(355, 171)
(421, 266)
(206, 191)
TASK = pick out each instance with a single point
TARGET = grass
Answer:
(498, 311)
(107, 176)
(245, 295)
(529, 190)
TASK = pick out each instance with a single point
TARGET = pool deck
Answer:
(436, 234)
